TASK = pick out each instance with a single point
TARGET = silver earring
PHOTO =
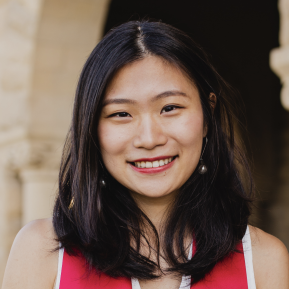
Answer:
(102, 182)
(202, 169)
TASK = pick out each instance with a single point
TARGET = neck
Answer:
(156, 209)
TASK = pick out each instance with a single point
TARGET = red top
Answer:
(228, 274)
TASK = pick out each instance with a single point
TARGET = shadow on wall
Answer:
(238, 37)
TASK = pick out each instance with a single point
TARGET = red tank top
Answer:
(234, 272)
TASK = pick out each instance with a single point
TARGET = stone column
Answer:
(38, 193)
(279, 62)
(279, 57)
(18, 26)
(43, 46)
(10, 218)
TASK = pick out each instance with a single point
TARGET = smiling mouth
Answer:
(154, 164)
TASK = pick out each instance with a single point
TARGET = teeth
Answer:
(149, 164)
(154, 164)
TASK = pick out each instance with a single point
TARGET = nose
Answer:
(149, 134)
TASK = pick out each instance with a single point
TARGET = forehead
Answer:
(147, 77)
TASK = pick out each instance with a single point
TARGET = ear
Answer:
(213, 102)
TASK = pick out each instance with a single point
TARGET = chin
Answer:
(152, 193)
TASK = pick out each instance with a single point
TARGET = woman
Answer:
(152, 190)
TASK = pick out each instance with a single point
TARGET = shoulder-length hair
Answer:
(102, 222)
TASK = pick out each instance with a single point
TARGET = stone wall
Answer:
(43, 46)
(279, 62)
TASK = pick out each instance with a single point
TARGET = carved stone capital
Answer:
(32, 154)
(279, 57)
(279, 62)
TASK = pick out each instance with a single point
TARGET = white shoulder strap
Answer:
(59, 269)
(247, 247)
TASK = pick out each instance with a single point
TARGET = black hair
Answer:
(102, 221)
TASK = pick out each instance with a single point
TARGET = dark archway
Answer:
(239, 36)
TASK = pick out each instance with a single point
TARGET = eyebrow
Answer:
(155, 98)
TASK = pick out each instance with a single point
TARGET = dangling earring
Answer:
(102, 183)
(202, 169)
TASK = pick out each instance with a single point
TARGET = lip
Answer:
(153, 170)
(152, 159)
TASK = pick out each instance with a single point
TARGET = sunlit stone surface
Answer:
(43, 45)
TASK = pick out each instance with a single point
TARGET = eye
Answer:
(169, 108)
(120, 114)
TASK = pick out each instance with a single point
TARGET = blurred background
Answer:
(43, 46)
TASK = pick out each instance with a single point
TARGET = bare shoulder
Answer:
(32, 262)
(40, 233)
(270, 260)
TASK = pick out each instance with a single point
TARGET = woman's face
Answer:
(151, 127)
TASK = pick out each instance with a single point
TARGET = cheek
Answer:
(191, 138)
(189, 131)
(112, 140)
